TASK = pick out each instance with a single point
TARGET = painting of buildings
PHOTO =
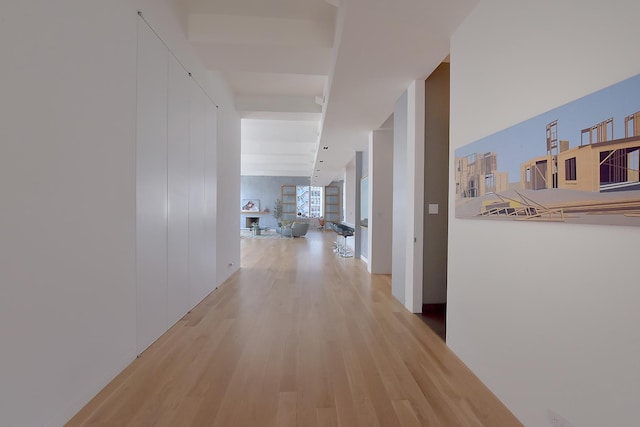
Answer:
(600, 164)
(578, 163)
(477, 174)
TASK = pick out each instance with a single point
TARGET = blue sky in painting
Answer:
(527, 140)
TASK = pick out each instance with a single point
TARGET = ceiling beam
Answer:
(272, 59)
(260, 31)
(277, 103)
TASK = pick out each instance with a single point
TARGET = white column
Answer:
(415, 192)
(408, 197)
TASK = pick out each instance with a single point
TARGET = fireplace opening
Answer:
(250, 220)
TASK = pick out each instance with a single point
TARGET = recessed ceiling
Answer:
(278, 147)
(304, 68)
(276, 56)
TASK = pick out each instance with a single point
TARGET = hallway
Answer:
(297, 337)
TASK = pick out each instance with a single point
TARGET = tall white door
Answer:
(178, 192)
(151, 188)
(197, 206)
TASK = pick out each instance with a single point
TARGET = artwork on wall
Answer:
(578, 163)
(250, 205)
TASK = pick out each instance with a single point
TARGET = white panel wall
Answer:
(546, 314)
(173, 111)
(151, 188)
(178, 192)
(68, 196)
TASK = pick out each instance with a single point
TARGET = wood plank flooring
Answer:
(297, 337)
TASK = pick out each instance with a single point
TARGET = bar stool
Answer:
(346, 252)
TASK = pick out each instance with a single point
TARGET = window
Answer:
(316, 202)
(634, 161)
(471, 159)
(302, 200)
(570, 169)
(490, 182)
(308, 201)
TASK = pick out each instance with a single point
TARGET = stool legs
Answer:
(346, 252)
(342, 249)
(337, 247)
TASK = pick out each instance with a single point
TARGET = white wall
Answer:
(228, 245)
(67, 188)
(350, 200)
(398, 243)
(67, 182)
(364, 207)
(350, 192)
(357, 244)
(380, 201)
(545, 314)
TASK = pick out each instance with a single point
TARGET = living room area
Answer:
(286, 206)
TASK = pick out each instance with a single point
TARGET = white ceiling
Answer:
(282, 58)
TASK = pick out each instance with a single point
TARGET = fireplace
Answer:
(250, 220)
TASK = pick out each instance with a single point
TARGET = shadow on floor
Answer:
(435, 317)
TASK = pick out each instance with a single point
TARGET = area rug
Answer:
(264, 234)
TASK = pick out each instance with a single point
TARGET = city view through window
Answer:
(309, 201)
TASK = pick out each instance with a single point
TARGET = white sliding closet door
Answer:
(178, 192)
(197, 204)
(151, 188)
(211, 193)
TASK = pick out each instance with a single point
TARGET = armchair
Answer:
(296, 229)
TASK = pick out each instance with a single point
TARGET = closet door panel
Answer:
(211, 190)
(178, 192)
(151, 188)
(197, 206)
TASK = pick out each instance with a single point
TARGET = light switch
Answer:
(433, 209)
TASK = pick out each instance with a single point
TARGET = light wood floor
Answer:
(298, 337)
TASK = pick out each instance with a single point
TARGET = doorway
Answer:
(436, 196)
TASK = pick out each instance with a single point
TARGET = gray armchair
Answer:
(297, 229)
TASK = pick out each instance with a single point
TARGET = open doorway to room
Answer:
(436, 191)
